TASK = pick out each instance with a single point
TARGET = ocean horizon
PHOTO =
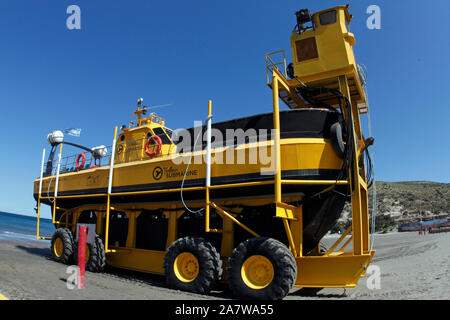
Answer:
(22, 227)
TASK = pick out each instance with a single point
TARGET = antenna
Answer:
(159, 106)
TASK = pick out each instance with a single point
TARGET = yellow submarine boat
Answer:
(284, 175)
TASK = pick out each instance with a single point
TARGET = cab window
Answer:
(164, 138)
(328, 17)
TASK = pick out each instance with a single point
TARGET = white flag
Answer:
(73, 131)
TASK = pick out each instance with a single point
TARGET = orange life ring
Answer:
(77, 163)
(158, 148)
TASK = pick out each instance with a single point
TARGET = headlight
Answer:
(55, 137)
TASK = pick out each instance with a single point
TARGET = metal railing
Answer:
(69, 163)
(271, 65)
(125, 152)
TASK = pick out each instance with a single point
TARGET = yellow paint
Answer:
(2, 297)
(229, 216)
(186, 267)
(58, 247)
(227, 237)
(338, 241)
(87, 253)
(334, 66)
(137, 259)
(331, 271)
(257, 272)
(296, 228)
(296, 154)
(333, 41)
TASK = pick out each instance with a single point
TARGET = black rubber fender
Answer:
(337, 139)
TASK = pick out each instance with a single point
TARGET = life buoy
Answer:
(77, 163)
(158, 147)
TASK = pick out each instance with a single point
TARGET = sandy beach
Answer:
(412, 266)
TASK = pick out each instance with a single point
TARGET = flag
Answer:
(73, 131)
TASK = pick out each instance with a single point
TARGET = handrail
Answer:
(274, 65)
(39, 199)
(334, 246)
(55, 193)
(108, 199)
(229, 216)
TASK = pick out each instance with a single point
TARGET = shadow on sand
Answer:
(316, 293)
(43, 252)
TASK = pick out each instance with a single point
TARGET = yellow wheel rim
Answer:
(186, 267)
(58, 247)
(86, 254)
(257, 272)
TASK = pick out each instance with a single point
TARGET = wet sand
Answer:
(412, 266)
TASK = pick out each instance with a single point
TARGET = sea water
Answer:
(20, 227)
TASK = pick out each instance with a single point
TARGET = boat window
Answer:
(160, 132)
(169, 132)
(328, 17)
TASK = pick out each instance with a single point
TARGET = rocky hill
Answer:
(409, 200)
(400, 202)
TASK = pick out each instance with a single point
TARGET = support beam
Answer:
(108, 197)
(276, 137)
(357, 211)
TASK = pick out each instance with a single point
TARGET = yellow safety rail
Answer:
(108, 199)
(38, 236)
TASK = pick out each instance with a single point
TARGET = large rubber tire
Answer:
(337, 139)
(283, 263)
(62, 245)
(208, 265)
(102, 256)
(97, 258)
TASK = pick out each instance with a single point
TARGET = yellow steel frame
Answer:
(54, 197)
(332, 269)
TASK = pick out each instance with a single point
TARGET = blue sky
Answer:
(186, 52)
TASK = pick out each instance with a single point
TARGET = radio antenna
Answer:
(159, 106)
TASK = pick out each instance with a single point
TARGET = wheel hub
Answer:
(257, 272)
(58, 247)
(186, 267)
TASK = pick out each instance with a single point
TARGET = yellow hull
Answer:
(301, 157)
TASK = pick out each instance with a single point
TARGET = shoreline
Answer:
(411, 266)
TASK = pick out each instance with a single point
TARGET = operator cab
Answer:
(145, 138)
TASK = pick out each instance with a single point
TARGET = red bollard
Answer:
(82, 231)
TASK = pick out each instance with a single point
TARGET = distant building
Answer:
(432, 226)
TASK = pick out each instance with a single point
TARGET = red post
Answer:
(82, 231)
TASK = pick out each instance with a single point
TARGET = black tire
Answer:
(284, 269)
(102, 255)
(97, 257)
(337, 139)
(209, 265)
(64, 255)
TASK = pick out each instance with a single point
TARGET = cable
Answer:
(372, 172)
(184, 178)
(308, 94)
